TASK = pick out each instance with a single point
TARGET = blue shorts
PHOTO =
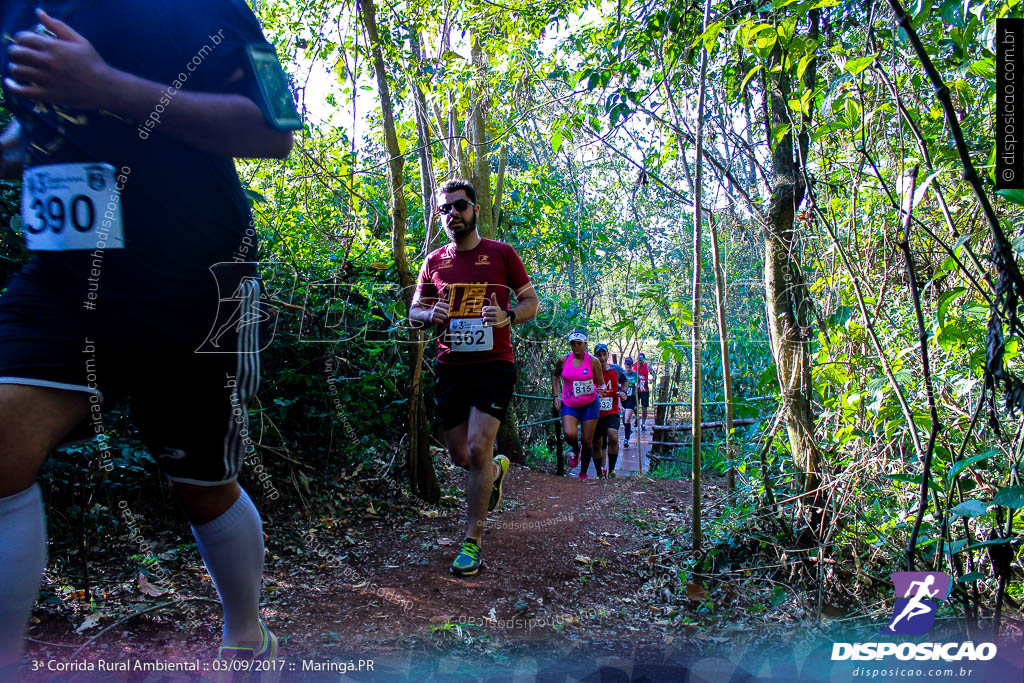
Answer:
(591, 411)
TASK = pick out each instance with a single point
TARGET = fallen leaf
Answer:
(429, 513)
(91, 621)
(492, 615)
(444, 541)
(604, 541)
(696, 592)
(583, 559)
(149, 589)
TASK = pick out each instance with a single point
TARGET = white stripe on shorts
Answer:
(247, 377)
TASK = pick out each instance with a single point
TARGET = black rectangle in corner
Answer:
(1009, 104)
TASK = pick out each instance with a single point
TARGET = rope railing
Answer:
(735, 401)
(540, 422)
(542, 398)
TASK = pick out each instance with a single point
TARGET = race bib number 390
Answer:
(71, 206)
(469, 334)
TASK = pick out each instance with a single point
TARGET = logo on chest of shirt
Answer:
(94, 176)
(467, 299)
(445, 263)
(483, 260)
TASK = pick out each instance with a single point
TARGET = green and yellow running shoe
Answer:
(467, 562)
(250, 663)
(502, 462)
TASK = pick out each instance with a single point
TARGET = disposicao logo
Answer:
(921, 593)
(918, 597)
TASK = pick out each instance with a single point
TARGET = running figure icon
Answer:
(918, 597)
(915, 607)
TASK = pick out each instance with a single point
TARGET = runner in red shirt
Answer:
(643, 388)
(464, 289)
(607, 432)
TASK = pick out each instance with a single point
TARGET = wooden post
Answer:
(660, 413)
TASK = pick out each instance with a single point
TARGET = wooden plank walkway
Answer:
(633, 460)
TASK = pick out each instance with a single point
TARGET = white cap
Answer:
(577, 335)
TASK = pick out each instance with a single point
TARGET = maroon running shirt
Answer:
(466, 280)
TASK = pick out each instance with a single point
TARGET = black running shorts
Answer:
(485, 386)
(607, 422)
(629, 403)
(190, 407)
(645, 398)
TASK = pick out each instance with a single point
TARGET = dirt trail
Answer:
(563, 560)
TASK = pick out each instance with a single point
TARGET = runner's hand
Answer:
(494, 316)
(63, 70)
(440, 312)
(622, 395)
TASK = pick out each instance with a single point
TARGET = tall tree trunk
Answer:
(785, 290)
(478, 128)
(421, 469)
(431, 238)
(499, 187)
(696, 334)
(723, 340)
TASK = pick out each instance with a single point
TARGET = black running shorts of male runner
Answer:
(190, 408)
(645, 398)
(603, 425)
(485, 386)
(629, 403)
(607, 422)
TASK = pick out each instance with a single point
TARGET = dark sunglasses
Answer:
(459, 205)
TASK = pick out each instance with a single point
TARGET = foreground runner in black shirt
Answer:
(127, 116)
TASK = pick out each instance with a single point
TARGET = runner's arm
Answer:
(10, 150)
(527, 303)
(555, 376)
(595, 365)
(427, 310)
(67, 70)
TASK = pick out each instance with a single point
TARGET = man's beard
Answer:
(460, 230)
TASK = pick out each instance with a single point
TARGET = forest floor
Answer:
(567, 566)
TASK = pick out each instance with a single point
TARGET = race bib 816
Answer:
(71, 206)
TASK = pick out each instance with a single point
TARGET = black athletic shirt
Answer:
(183, 209)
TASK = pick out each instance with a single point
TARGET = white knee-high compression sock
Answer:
(22, 560)
(232, 548)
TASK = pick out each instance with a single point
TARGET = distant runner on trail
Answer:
(643, 387)
(629, 404)
(608, 422)
(464, 288)
(127, 116)
(581, 374)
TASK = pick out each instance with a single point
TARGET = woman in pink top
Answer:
(581, 375)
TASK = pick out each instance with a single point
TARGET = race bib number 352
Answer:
(71, 206)
(469, 334)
